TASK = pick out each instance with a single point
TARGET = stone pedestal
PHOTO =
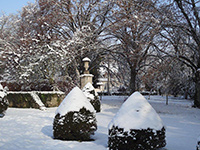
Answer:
(85, 78)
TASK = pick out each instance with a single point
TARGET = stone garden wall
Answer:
(25, 99)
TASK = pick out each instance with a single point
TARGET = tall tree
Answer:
(82, 24)
(180, 36)
(133, 24)
(49, 40)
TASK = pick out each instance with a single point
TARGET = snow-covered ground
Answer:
(31, 129)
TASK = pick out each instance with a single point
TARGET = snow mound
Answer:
(136, 113)
(74, 101)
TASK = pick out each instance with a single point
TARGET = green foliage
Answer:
(20, 100)
(25, 100)
(50, 100)
(96, 104)
(92, 96)
(77, 125)
(144, 139)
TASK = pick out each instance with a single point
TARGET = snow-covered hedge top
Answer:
(136, 113)
(74, 101)
(87, 89)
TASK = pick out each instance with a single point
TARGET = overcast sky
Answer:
(12, 6)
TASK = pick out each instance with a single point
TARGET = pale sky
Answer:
(12, 6)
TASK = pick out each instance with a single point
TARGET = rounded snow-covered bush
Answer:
(92, 96)
(3, 102)
(136, 126)
(75, 118)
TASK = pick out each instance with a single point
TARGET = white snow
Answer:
(86, 59)
(1, 87)
(42, 92)
(74, 101)
(88, 87)
(86, 75)
(2, 93)
(86, 90)
(136, 113)
(32, 129)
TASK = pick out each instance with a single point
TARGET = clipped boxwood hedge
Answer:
(21, 100)
(77, 125)
(92, 96)
(144, 139)
(95, 102)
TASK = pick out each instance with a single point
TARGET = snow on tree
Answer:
(42, 45)
(3, 101)
(75, 118)
(92, 96)
(136, 126)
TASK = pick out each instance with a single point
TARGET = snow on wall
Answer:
(37, 100)
(42, 92)
(136, 113)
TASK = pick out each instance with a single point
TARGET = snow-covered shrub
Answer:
(3, 102)
(92, 96)
(136, 126)
(75, 118)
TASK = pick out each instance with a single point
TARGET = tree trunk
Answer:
(133, 80)
(197, 90)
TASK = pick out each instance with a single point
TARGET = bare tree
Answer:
(133, 24)
(180, 37)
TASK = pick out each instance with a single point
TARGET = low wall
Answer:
(25, 100)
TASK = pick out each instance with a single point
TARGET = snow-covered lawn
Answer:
(31, 129)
